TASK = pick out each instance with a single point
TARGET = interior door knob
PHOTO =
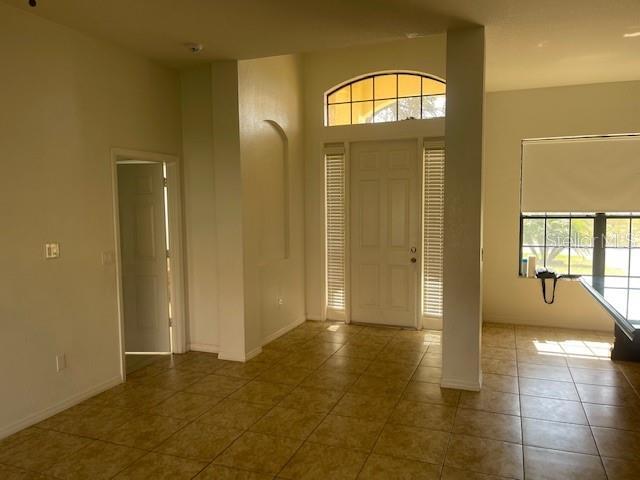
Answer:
(413, 260)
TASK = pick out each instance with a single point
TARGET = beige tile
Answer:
(450, 473)
(608, 395)
(161, 467)
(431, 393)
(314, 400)
(427, 374)
(558, 436)
(98, 460)
(548, 389)
(41, 449)
(288, 422)
(347, 432)
(185, 405)
(219, 472)
(500, 383)
(499, 367)
(368, 385)
(145, 431)
(499, 353)
(346, 364)
(487, 456)
(217, 385)
(591, 363)
(412, 443)
(319, 462)
(490, 425)
(544, 372)
(262, 393)
(248, 370)
(199, 441)
(232, 413)
(541, 358)
(174, 379)
(259, 453)
(269, 356)
(304, 360)
(18, 437)
(542, 464)
(617, 443)
(611, 378)
(386, 369)
(552, 409)
(13, 473)
(89, 421)
(363, 351)
(490, 401)
(382, 467)
(618, 469)
(138, 397)
(397, 354)
(330, 379)
(285, 374)
(365, 406)
(431, 360)
(624, 418)
(424, 415)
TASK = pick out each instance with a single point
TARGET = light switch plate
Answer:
(51, 250)
(61, 362)
(108, 257)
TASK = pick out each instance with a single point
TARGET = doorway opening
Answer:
(149, 266)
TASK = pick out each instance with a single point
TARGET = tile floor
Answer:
(333, 401)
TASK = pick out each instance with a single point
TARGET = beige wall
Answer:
(270, 98)
(66, 101)
(323, 70)
(511, 117)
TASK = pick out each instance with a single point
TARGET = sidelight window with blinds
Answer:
(335, 178)
(433, 227)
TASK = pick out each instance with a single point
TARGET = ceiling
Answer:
(530, 44)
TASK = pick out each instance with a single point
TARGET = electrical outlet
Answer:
(61, 362)
(280, 301)
(108, 257)
(51, 250)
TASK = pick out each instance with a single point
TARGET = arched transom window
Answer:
(385, 97)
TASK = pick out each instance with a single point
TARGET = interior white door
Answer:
(384, 231)
(144, 258)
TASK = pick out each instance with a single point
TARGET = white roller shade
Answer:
(599, 174)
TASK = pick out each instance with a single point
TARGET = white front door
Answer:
(385, 232)
(144, 259)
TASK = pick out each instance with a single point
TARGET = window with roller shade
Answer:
(566, 177)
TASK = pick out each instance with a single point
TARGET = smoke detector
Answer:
(194, 47)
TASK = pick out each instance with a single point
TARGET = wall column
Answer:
(228, 209)
(462, 319)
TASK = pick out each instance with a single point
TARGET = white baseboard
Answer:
(315, 318)
(432, 323)
(69, 402)
(253, 353)
(204, 347)
(461, 384)
(282, 331)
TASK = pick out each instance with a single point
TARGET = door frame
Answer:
(417, 321)
(176, 232)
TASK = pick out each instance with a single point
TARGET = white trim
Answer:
(431, 323)
(204, 347)
(253, 353)
(36, 417)
(461, 384)
(179, 337)
(316, 318)
(240, 358)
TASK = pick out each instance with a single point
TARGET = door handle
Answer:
(414, 260)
